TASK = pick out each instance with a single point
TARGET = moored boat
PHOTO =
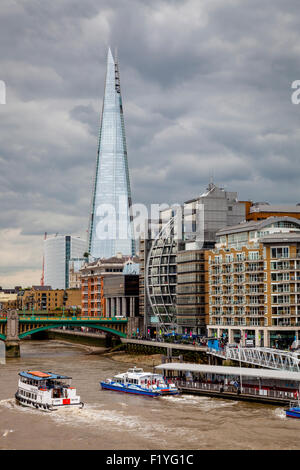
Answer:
(46, 391)
(138, 382)
(293, 411)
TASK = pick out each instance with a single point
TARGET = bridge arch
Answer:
(51, 326)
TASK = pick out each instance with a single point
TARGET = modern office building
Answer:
(160, 275)
(188, 229)
(121, 295)
(206, 214)
(254, 282)
(191, 290)
(111, 227)
(58, 251)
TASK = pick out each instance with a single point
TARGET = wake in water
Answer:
(204, 403)
(94, 416)
(279, 413)
(8, 403)
(6, 432)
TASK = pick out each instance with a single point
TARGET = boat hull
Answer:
(293, 413)
(114, 388)
(169, 392)
(42, 406)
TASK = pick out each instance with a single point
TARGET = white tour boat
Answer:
(138, 382)
(46, 391)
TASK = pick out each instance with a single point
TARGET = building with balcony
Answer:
(253, 282)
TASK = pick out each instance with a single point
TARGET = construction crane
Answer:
(43, 271)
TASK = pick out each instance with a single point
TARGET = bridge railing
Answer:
(71, 318)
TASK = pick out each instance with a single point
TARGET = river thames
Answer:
(115, 421)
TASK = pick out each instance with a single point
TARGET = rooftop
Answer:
(263, 207)
(256, 225)
(38, 375)
(113, 260)
(41, 287)
(238, 371)
(281, 237)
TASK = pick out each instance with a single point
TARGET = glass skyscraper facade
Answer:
(58, 251)
(111, 227)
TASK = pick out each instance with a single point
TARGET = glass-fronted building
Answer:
(172, 284)
(161, 277)
(111, 228)
(58, 251)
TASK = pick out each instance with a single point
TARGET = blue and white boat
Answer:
(138, 382)
(294, 410)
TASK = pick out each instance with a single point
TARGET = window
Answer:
(253, 255)
(279, 265)
(280, 299)
(280, 252)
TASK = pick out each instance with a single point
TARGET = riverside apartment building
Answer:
(254, 282)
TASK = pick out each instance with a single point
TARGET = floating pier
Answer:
(276, 387)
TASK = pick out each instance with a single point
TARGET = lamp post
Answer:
(240, 368)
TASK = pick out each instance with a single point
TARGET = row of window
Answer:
(190, 256)
(25, 394)
(191, 267)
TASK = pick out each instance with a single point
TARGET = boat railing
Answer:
(243, 390)
(294, 404)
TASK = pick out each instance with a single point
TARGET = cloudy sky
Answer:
(206, 88)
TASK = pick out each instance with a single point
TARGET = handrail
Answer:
(68, 319)
(264, 357)
(243, 390)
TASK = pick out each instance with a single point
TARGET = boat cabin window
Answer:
(28, 381)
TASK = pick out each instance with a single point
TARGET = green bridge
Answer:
(15, 326)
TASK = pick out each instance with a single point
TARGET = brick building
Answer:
(254, 282)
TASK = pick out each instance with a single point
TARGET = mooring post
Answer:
(12, 342)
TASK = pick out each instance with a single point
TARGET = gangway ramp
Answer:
(263, 357)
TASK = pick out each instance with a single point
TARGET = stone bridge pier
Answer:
(12, 342)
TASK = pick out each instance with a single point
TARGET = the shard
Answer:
(111, 227)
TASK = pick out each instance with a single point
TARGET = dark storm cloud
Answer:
(206, 91)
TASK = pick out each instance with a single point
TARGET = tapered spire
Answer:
(110, 229)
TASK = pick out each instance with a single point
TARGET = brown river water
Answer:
(116, 421)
